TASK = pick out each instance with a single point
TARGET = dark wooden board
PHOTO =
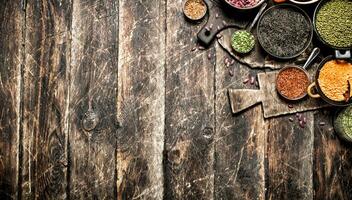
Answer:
(11, 63)
(92, 101)
(140, 102)
(332, 160)
(290, 158)
(240, 140)
(45, 100)
(189, 111)
(107, 100)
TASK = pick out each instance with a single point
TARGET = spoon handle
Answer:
(262, 8)
(312, 56)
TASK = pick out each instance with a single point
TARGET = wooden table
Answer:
(105, 100)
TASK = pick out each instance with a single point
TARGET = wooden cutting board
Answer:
(273, 104)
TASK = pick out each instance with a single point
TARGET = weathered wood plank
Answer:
(141, 91)
(290, 158)
(45, 83)
(93, 125)
(240, 140)
(11, 59)
(332, 161)
(189, 111)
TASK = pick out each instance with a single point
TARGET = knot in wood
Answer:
(90, 120)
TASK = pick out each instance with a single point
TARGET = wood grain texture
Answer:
(189, 122)
(240, 140)
(141, 96)
(11, 59)
(45, 100)
(290, 158)
(92, 94)
(332, 160)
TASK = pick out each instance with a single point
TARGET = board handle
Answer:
(242, 99)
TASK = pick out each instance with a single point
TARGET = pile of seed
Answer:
(242, 41)
(334, 23)
(284, 32)
(195, 9)
(292, 83)
(344, 122)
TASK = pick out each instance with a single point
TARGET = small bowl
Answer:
(282, 95)
(247, 8)
(200, 17)
(304, 2)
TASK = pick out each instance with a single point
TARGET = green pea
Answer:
(242, 41)
(333, 23)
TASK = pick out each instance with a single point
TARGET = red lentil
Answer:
(292, 83)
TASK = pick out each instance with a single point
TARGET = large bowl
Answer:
(320, 93)
(285, 5)
(338, 54)
(248, 8)
(304, 2)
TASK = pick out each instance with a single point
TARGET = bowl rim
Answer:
(304, 2)
(311, 31)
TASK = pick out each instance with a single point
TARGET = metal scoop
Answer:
(247, 31)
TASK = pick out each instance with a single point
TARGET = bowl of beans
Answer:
(244, 4)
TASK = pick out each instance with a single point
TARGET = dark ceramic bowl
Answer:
(284, 96)
(320, 93)
(280, 6)
(317, 33)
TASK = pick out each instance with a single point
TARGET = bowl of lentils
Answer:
(333, 23)
(244, 4)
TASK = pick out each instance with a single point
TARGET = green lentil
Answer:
(343, 123)
(242, 41)
(334, 23)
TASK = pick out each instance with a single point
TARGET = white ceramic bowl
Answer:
(304, 2)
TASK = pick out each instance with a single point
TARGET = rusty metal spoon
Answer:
(243, 41)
